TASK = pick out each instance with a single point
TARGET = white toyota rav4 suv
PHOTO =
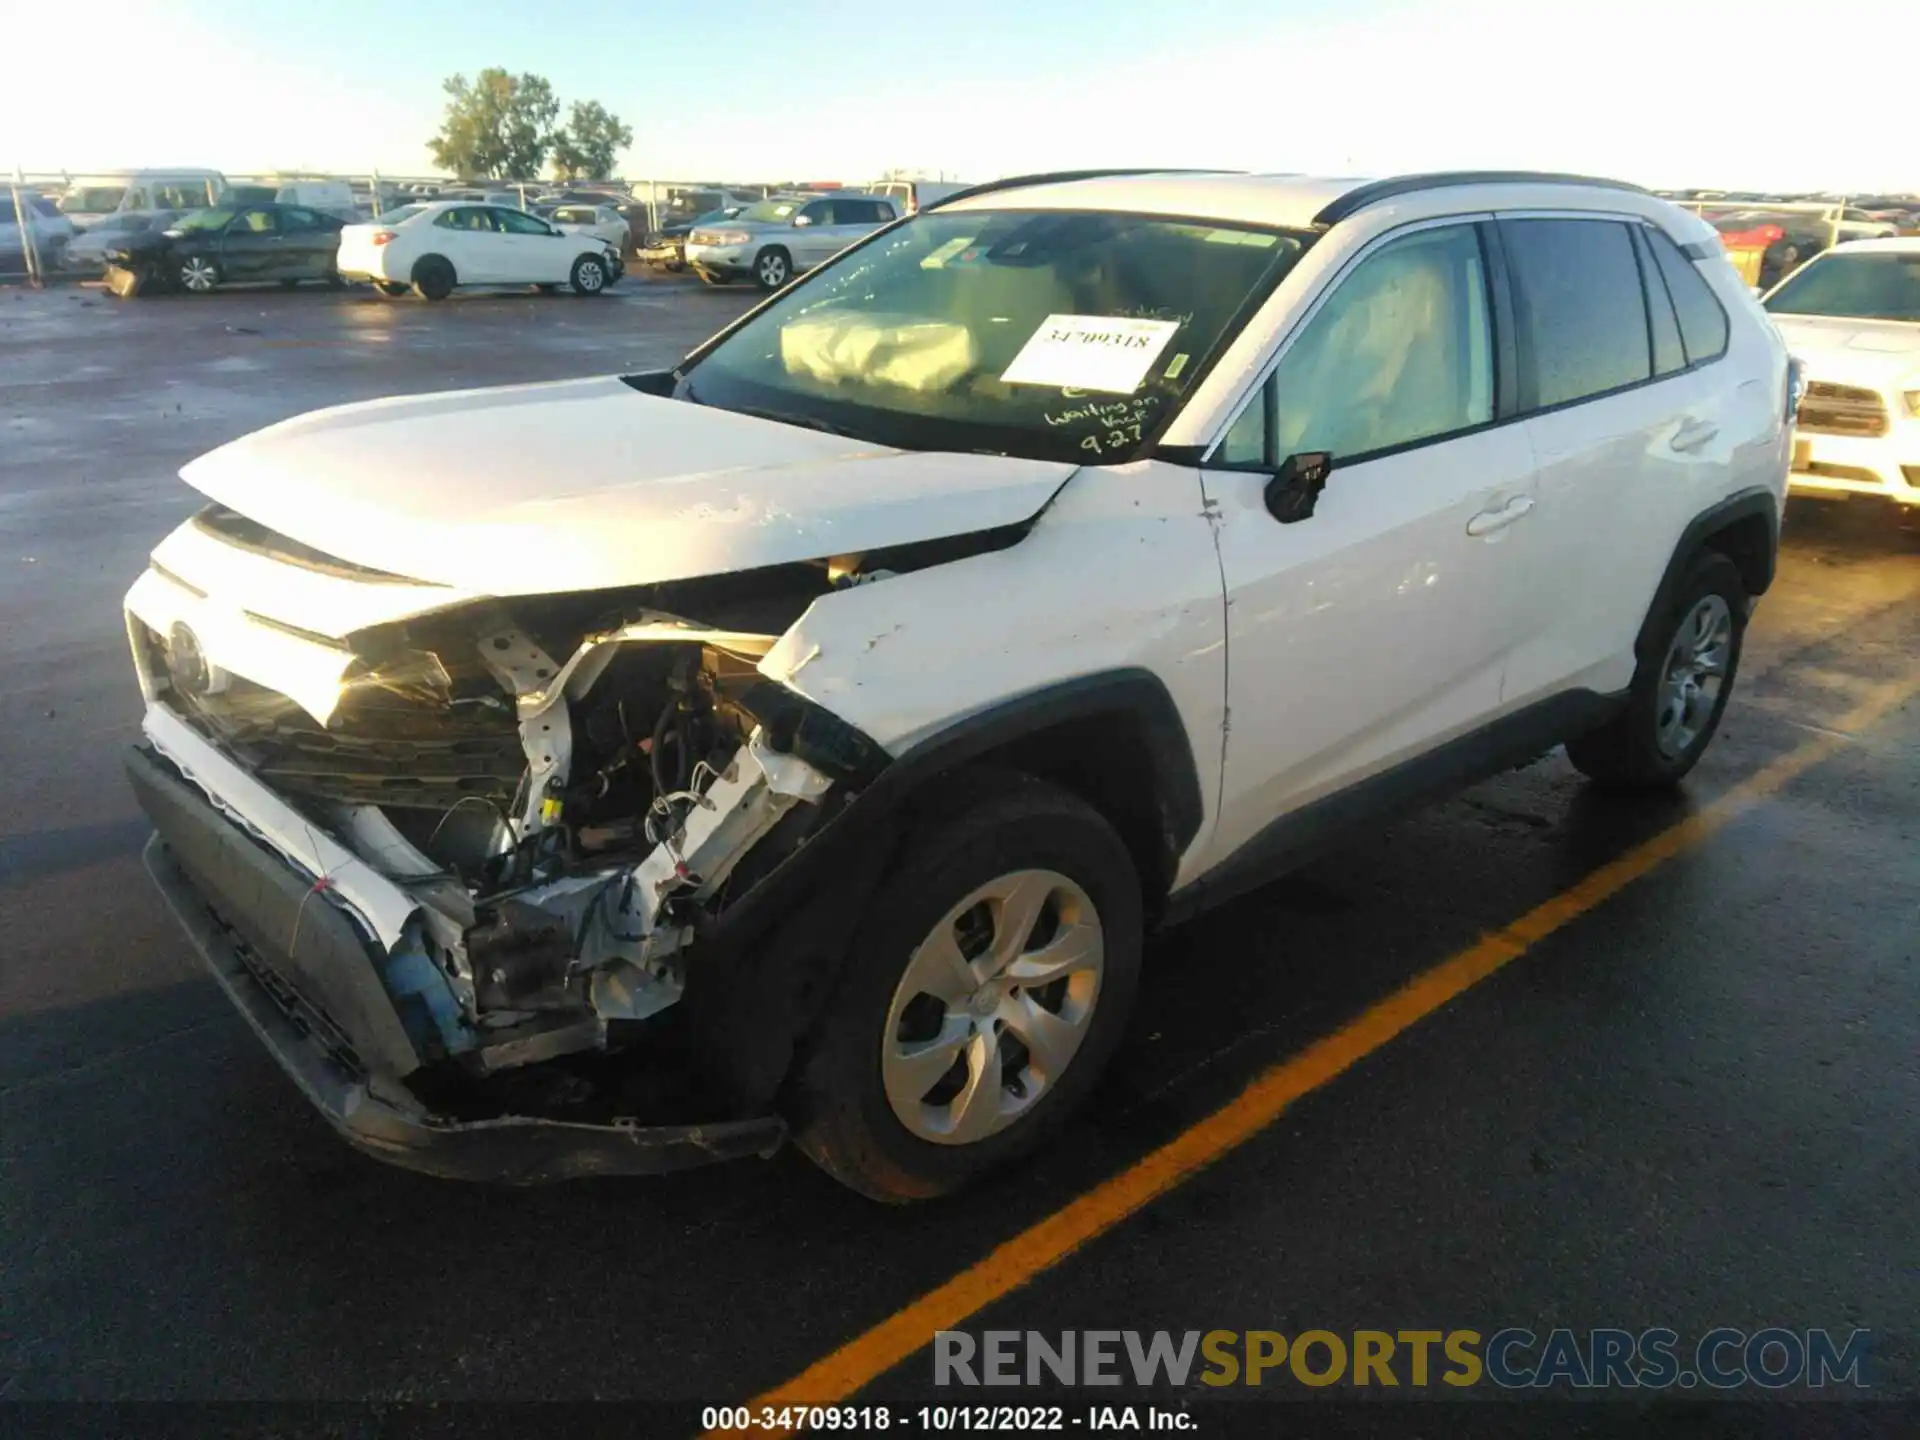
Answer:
(1062, 559)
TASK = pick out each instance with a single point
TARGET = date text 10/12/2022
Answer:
(940, 1419)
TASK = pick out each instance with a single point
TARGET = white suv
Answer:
(1066, 558)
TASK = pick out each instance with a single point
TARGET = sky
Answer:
(1663, 92)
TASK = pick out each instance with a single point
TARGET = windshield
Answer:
(770, 212)
(1056, 335)
(1883, 286)
(92, 199)
(203, 220)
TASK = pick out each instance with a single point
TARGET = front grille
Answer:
(308, 1018)
(383, 748)
(1829, 409)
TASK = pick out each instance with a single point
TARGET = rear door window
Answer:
(1703, 324)
(1579, 308)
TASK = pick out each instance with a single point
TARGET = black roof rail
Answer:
(1062, 177)
(1371, 194)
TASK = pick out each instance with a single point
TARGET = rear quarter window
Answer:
(1703, 324)
(1579, 308)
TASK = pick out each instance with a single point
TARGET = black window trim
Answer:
(1527, 361)
(1493, 277)
(1726, 320)
(1510, 403)
(1650, 275)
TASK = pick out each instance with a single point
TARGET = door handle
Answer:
(1488, 522)
(1692, 434)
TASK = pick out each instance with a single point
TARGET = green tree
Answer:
(497, 125)
(587, 146)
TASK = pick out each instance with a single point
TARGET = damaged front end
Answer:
(519, 889)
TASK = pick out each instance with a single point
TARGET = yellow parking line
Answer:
(1049, 1241)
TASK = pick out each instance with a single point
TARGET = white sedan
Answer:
(601, 220)
(433, 247)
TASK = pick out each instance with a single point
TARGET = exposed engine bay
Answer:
(572, 789)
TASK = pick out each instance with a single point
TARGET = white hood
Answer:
(589, 484)
(1877, 354)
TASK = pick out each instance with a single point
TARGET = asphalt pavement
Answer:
(1692, 1104)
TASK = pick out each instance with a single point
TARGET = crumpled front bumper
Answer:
(298, 968)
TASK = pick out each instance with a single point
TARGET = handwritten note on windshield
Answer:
(1091, 352)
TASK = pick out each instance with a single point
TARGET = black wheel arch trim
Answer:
(1756, 502)
(766, 966)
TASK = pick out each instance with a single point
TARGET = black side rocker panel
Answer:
(1320, 825)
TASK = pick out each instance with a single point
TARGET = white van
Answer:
(911, 195)
(89, 197)
(330, 197)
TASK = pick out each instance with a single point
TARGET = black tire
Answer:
(392, 288)
(589, 275)
(772, 268)
(991, 825)
(1639, 749)
(433, 277)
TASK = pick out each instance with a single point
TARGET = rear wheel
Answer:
(981, 997)
(198, 274)
(772, 268)
(589, 275)
(1680, 689)
(433, 278)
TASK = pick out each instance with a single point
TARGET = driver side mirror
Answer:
(1296, 486)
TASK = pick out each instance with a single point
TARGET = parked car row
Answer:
(429, 248)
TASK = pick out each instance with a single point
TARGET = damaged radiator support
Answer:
(604, 946)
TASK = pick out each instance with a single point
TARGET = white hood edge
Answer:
(1878, 354)
(589, 485)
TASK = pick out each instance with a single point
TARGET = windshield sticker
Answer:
(1174, 367)
(939, 257)
(1091, 352)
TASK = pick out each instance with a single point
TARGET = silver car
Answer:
(87, 251)
(775, 239)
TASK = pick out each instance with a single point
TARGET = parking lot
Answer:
(1675, 1088)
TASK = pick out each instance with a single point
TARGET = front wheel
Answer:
(1680, 689)
(198, 274)
(772, 268)
(982, 996)
(589, 275)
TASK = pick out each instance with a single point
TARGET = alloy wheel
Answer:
(1695, 672)
(198, 275)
